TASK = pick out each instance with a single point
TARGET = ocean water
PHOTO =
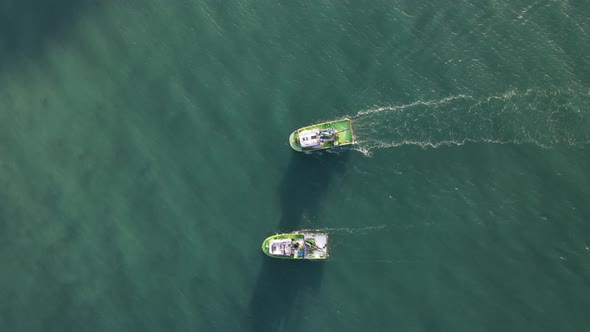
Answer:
(144, 158)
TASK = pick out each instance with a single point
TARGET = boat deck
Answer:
(316, 246)
(344, 135)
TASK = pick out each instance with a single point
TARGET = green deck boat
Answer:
(297, 245)
(322, 136)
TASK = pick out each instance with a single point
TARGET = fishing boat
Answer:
(322, 136)
(297, 245)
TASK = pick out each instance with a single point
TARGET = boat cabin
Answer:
(309, 138)
(280, 247)
(294, 248)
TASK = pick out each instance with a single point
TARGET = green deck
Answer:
(345, 135)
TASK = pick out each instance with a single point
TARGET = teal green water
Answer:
(144, 158)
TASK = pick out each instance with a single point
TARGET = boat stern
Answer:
(317, 246)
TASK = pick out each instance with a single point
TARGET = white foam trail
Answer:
(348, 230)
(539, 117)
(349, 260)
(364, 150)
(367, 149)
(416, 103)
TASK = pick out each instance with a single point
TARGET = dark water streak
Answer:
(301, 191)
(27, 27)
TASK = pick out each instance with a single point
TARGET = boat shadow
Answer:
(278, 300)
(30, 26)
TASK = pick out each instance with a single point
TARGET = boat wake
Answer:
(361, 230)
(341, 239)
(543, 118)
(350, 260)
